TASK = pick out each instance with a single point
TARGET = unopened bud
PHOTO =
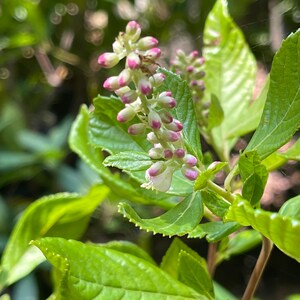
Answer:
(193, 54)
(175, 125)
(133, 61)
(124, 78)
(155, 153)
(111, 83)
(170, 136)
(133, 30)
(129, 97)
(126, 114)
(144, 86)
(168, 153)
(117, 47)
(189, 173)
(154, 120)
(179, 153)
(108, 60)
(190, 69)
(157, 79)
(166, 101)
(153, 53)
(165, 116)
(136, 129)
(157, 168)
(190, 160)
(152, 138)
(147, 43)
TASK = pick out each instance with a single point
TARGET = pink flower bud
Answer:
(136, 129)
(170, 136)
(157, 168)
(129, 97)
(165, 116)
(144, 86)
(151, 137)
(157, 79)
(180, 54)
(166, 93)
(154, 120)
(108, 60)
(190, 69)
(147, 43)
(179, 153)
(175, 125)
(124, 78)
(155, 153)
(190, 160)
(199, 62)
(166, 101)
(153, 53)
(133, 30)
(194, 54)
(189, 173)
(168, 153)
(133, 61)
(111, 83)
(126, 114)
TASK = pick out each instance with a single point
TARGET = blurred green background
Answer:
(48, 68)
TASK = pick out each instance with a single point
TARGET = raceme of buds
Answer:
(136, 85)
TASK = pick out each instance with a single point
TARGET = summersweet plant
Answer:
(150, 129)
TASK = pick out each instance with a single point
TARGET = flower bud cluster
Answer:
(147, 108)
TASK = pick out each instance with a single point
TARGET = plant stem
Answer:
(225, 194)
(211, 258)
(264, 255)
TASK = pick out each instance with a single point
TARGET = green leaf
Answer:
(206, 175)
(222, 294)
(12, 160)
(179, 220)
(250, 117)
(215, 203)
(184, 111)
(281, 115)
(274, 161)
(283, 231)
(80, 143)
(293, 153)
(230, 72)
(238, 244)
(63, 214)
(109, 134)
(254, 175)
(90, 272)
(214, 231)
(216, 114)
(129, 161)
(291, 208)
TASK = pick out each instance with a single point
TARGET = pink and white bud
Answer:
(165, 116)
(179, 153)
(154, 120)
(136, 129)
(117, 47)
(146, 43)
(180, 54)
(152, 138)
(124, 78)
(153, 53)
(166, 101)
(133, 30)
(157, 168)
(199, 62)
(193, 54)
(175, 125)
(157, 79)
(155, 153)
(129, 97)
(133, 61)
(168, 153)
(170, 136)
(190, 69)
(190, 160)
(144, 86)
(111, 83)
(108, 60)
(166, 93)
(189, 173)
(126, 114)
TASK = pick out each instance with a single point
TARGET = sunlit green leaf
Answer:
(291, 208)
(216, 114)
(293, 153)
(215, 203)
(283, 231)
(93, 272)
(281, 115)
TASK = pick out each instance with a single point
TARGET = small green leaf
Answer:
(230, 72)
(216, 114)
(293, 153)
(206, 175)
(254, 175)
(283, 231)
(93, 272)
(291, 208)
(109, 134)
(214, 231)
(274, 161)
(179, 220)
(184, 111)
(64, 215)
(238, 244)
(222, 294)
(281, 115)
(215, 203)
